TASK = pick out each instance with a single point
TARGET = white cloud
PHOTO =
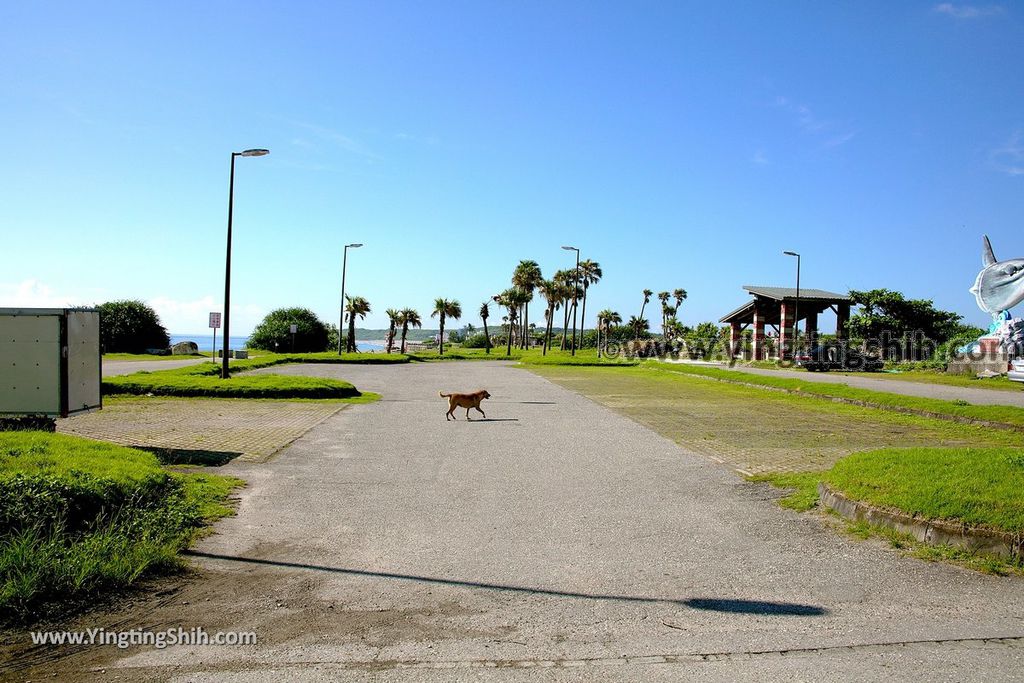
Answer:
(192, 317)
(838, 134)
(35, 294)
(759, 158)
(967, 11)
(1009, 158)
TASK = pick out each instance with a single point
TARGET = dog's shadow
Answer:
(495, 419)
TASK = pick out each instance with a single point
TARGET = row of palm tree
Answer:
(668, 312)
(563, 291)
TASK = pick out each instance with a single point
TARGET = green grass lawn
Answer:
(975, 486)
(1009, 415)
(184, 382)
(150, 356)
(79, 518)
(938, 377)
(922, 376)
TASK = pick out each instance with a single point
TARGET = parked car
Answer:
(836, 357)
(1016, 372)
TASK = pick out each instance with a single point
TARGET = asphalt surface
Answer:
(894, 386)
(556, 540)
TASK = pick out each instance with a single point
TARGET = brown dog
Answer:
(466, 401)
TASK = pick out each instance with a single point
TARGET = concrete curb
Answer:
(933, 532)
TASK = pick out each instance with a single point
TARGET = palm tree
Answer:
(665, 310)
(590, 274)
(565, 280)
(355, 305)
(408, 317)
(552, 293)
(647, 298)
(607, 319)
(638, 325)
(526, 277)
(485, 312)
(443, 309)
(680, 297)
(392, 322)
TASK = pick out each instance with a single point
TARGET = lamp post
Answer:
(344, 265)
(227, 267)
(575, 292)
(796, 307)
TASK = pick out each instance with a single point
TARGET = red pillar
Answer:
(758, 334)
(786, 345)
(735, 339)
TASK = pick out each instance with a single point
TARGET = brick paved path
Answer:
(252, 430)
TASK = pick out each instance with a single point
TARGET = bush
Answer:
(476, 341)
(130, 326)
(81, 517)
(274, 333)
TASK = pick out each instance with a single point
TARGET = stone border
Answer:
(933, 532)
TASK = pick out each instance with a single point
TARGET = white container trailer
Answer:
(49, 361)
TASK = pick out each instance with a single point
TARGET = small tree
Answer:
(131, 326)
(274, 332)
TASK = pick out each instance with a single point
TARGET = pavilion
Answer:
(778, 307)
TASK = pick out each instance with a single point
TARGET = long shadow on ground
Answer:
(714, 604)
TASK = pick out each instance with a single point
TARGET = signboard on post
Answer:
(214, 325)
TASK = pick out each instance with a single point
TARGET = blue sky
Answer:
(679, 144)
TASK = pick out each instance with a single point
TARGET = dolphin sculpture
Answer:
(1000, 284)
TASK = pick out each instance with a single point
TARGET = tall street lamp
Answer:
(227, 268)
(344, 265)
(575, 292)
(796, 307)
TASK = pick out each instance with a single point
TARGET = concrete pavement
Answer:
(556, 540)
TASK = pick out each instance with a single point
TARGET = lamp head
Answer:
(253, 153)
(354, 246)
(570, 248)
(790, 253)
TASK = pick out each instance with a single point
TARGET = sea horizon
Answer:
(238, 342)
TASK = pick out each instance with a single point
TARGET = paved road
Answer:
(895, 386)
(557, 540)
(127, 367)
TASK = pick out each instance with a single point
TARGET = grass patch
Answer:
(1008, 415)
(939, 377)
(910, 546)
(803, 488)
(203, 379)
(176, 383)
(152, 356)
(79, 518)
(981, 487)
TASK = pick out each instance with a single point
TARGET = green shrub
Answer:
(476, 341)
(274, 333)
(131, 327)
(78, 517)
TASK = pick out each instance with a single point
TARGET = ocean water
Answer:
(205, 342)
